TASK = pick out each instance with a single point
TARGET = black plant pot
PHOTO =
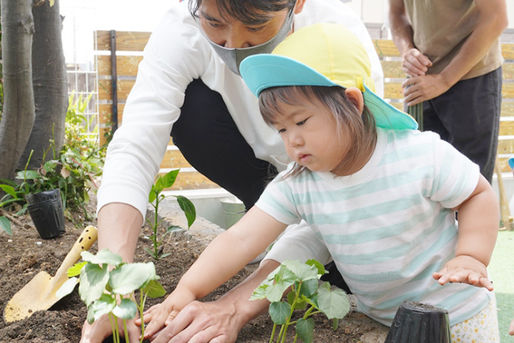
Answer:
(419, 323)
(45, 209)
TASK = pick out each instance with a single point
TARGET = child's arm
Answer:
(478, 228)
(224, 256)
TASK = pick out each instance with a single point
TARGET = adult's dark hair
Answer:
(360, 128)
(249, 12)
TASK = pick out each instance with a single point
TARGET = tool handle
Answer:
(84, 242)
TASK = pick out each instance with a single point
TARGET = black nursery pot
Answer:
(45, 209)
(419, 323)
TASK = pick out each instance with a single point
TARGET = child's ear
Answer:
(355, 96)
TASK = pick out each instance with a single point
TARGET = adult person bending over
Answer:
(188, 84)
(451, 53)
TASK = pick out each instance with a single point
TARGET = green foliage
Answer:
(73, 170)
(154, 198)
(5, 225)
(305, 292)
(107, 286)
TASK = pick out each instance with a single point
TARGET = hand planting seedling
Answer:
(154, 198)
(105, 280)
(305, 292)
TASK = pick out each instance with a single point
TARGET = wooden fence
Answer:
(118, 54)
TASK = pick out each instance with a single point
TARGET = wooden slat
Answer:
(393, 90)
(506, 146)
(508, 90)
(124, 87)
(174, 159)
(125, 65)
(503, 164)
(508, 71)
(393, 69)
(105, 113)
(507, 108)
(506, 128)
(508, 51)
(386, 48)
(125, 40)
(190, 180)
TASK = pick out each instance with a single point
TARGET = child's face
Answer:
(312, 137)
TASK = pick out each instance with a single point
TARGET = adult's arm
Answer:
(492, 20)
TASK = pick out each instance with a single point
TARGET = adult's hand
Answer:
(198, 322)
(421, 88)
(414, 63)
(101, 329)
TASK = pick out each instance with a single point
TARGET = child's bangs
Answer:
(270, 100)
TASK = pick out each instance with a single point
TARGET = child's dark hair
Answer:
(361, 128)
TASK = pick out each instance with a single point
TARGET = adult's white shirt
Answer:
(176, 54)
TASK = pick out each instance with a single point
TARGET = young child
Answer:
(381, 195)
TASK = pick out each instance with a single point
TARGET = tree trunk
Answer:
(18, 116)
(50, 86)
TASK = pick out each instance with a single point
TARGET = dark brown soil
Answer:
(25, 254)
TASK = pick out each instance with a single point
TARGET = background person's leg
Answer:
(210, 141)
(470, 114)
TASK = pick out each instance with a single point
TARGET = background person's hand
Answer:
(414, 63)
(511, 329)
(199, 322)
(421, 88)
(465, 269)
(101, 329)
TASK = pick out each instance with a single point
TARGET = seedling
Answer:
(108, 286)
(154, 198)
(305, 293)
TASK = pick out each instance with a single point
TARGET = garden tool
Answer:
(40, 293)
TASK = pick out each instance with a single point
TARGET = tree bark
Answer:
(18, 116)
(50, 86)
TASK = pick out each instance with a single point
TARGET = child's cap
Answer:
(322, 55)
(511, 163)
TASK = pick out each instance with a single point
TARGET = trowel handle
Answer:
(84, 242)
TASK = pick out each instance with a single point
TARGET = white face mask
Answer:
(233, 56)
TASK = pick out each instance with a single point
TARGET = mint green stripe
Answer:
(456, 299)
(347, 193)
(363, 235)
(445, 238)
(372, 211)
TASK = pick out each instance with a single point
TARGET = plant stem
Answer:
(115, 331)
(155, 224)
(126, 331)
(141, 308)
(272, 333)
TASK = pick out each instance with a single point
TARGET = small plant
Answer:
(5, 225)
(108, 286)
(154, 198)
(305, 293)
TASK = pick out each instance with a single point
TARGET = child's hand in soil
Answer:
(101, 329)
(161, 314)
(465, 269)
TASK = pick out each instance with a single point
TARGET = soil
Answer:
(24, 254)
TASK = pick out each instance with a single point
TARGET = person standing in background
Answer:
(451, 54)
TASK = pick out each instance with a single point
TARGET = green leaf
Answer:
(104, 256)
(27, 175)
(126, 309)
(302, 271)
(153, 195)
(167, 180)
(154, 289)
(173, 228)
(300, 302)
(9, 190)
(333, 302)
(309, 287)
(75, 269)
(189, 209)
(305, 329)
(318, 265)
(66, 288)
(93, 280)
(102, 306)
(5, 225)
(279, 311)
(260, 292)
(129, 277)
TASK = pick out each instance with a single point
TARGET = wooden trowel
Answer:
(40, 293)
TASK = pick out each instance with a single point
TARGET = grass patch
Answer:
(501, 271)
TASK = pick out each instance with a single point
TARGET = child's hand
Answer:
(465, 269)
(159, 315)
